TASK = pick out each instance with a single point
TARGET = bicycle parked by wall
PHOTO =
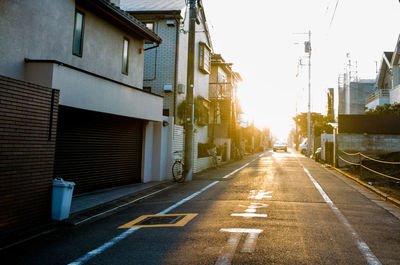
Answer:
(178, 167)
(212, 153)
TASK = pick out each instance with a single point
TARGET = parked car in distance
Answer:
(280, 146)
(303, 147)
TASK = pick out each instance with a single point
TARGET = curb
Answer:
(380, 194)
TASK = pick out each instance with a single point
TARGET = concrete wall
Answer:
(325, 138)
(147, 152)
(369, 143)
(43, 29)
(227, 141)
(161, 158)
(84, 91)
(201, 164)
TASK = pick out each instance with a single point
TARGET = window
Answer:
(125, 56)
(78, 34)
(165, 112)
(149, 25)
(204, 58)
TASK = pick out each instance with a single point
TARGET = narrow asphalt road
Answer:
(281, 208)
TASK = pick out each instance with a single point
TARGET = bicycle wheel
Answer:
(177, 171)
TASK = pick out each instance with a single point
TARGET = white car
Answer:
(280, 146)
(303, 147)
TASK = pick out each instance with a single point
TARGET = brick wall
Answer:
(27, 147)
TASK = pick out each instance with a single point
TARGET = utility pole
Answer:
(308, 50)
(189, 122)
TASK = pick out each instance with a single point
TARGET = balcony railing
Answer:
(379, 93)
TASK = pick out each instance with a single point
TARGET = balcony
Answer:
(379, 97)
(86, 90)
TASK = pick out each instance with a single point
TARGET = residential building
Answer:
(331, 104)
(381, 94)
(223, 128)
(166, 69)
(395, 68)
(109, 129)
(353, 95)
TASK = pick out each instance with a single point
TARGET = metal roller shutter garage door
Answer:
(97, 150)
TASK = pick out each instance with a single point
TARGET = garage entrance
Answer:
(97, 150)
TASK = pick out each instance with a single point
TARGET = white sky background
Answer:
(257, 37)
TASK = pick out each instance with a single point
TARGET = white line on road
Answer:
(229, 249)
(125, 234)
(362, 246)
(248, 246)
(250, 215)
(260, 195)
(240, 168)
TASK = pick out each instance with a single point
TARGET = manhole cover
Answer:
(162, 220)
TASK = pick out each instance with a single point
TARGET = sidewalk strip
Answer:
(362, 246)
(120, 206)
(125, 234)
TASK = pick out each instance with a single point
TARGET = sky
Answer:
(264, 39)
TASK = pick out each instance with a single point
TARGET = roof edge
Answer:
(121, 18)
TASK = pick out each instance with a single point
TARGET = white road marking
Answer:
(260, 195)
(254, 205)
(229, 250)
(258, 205)
(250, 215)
(125, 234)
(362, 246)
(233, 242)
(250, 243)
(240, 168)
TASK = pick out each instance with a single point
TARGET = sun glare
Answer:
(270, 108)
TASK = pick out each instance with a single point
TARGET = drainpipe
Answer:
(152, 47)
(155, 57)
(176, 66)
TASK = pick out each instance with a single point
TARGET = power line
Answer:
(334, 12)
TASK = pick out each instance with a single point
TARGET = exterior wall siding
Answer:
(395, 95)
(30, 29)
(26, 156)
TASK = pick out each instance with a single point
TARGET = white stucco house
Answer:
(166, 68)
(109, 127)
(387, 90)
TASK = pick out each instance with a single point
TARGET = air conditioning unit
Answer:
(170, 23)
(167, 88)
(181, 88)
